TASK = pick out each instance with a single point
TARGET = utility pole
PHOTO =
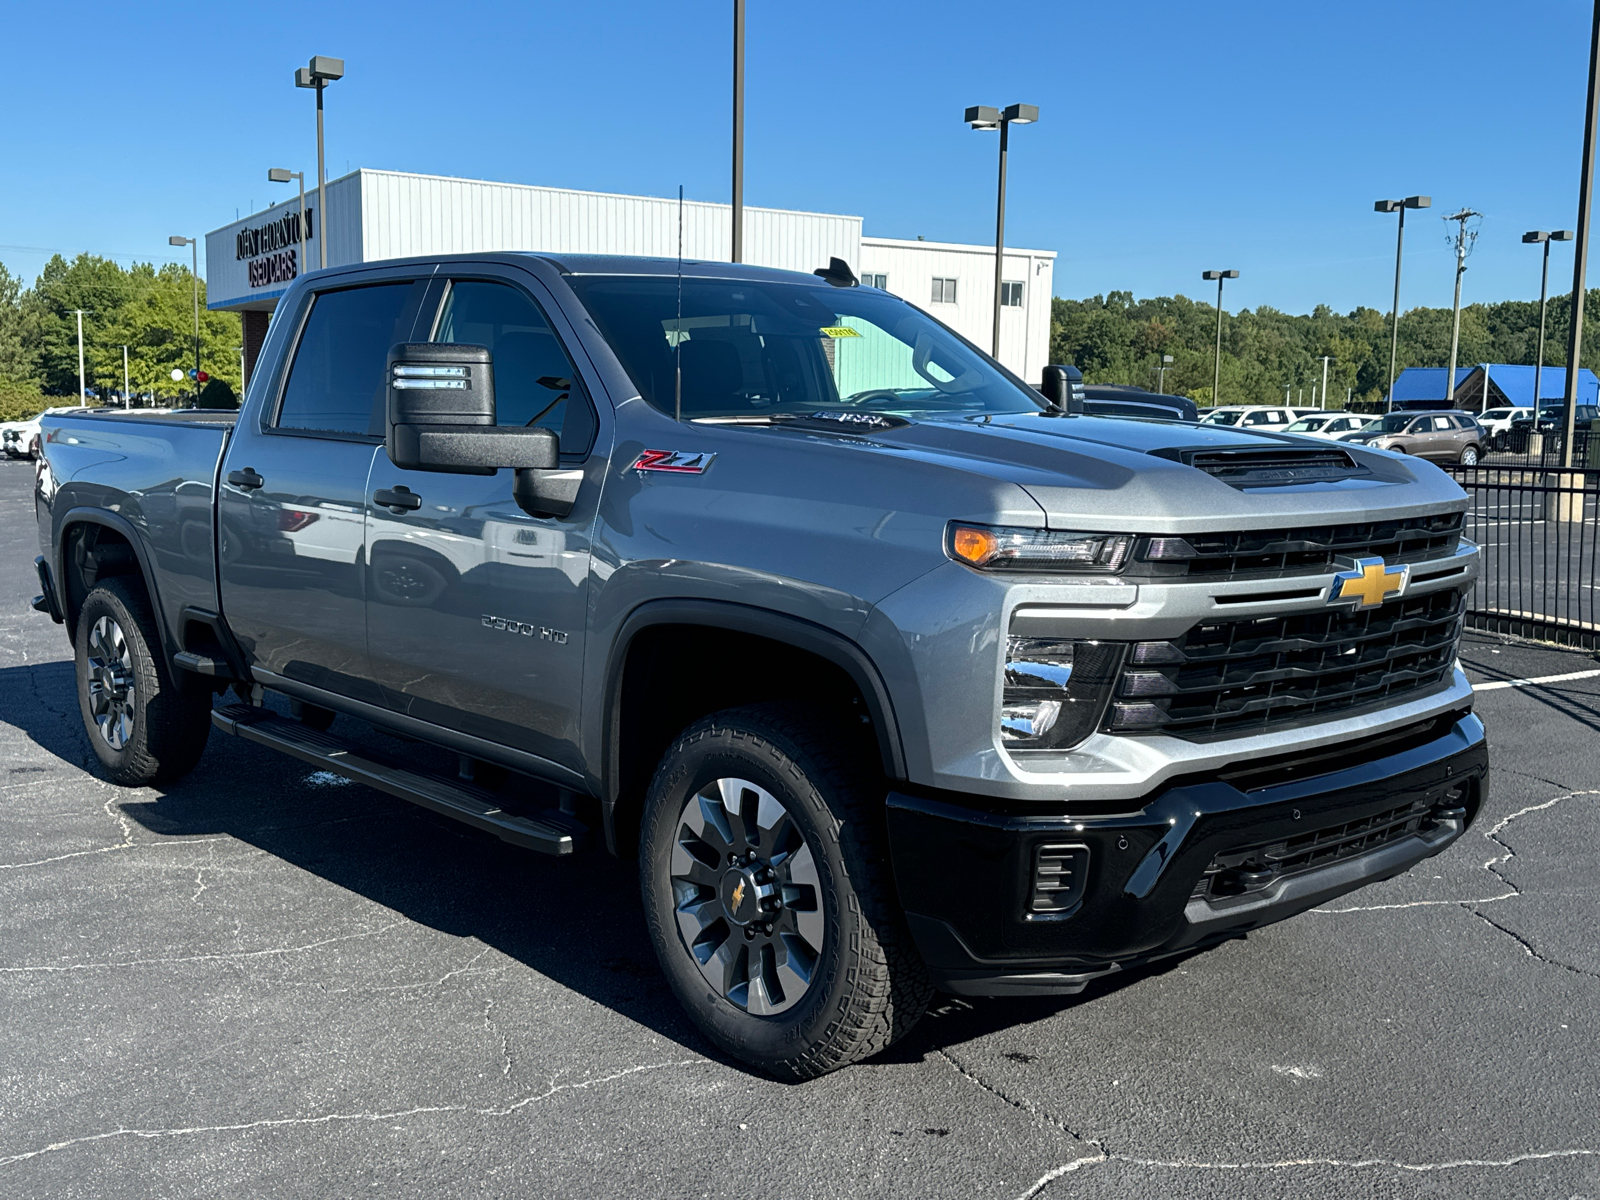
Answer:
(81, 389)
(1580, 263)
(1463, 240)
(1325, 359)
(738, 130)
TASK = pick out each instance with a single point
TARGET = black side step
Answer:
(555, 833)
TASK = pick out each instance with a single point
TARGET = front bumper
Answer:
(1201, 860)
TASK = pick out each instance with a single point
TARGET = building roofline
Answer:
(966, 247)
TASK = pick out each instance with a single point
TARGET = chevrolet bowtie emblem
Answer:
(1370, 584)
(738, 895)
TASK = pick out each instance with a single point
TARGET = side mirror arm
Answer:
(547, 492)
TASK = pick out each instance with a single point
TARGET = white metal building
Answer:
(376, 215)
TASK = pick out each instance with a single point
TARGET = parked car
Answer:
(892, 674)
(1443, 436)
(1328, 424)
(21, 438)
(1552, 419)
(1497, 422)
(1250, 417)
(1110, 400)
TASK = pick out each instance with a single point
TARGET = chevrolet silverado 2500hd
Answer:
(893, 671)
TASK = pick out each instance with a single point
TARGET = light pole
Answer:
(194, 247)
(81, 388)
(126, 403)
(319, 74)
(1580, 260)
(981, 116)
(1161, 374)
(1397, 206)
(1325, 359)
(1216, 368)
(284, 175)
(738, 130)
(1538, 237)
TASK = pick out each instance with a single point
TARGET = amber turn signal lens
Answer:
(974, 545)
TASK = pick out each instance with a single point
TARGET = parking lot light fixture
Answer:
(284, 175)
(1216, 367)
(1538, 237)
(1161, 373)
(321, 71)
(1397, 206)
(982, 116)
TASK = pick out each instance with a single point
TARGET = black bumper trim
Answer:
(964, 871)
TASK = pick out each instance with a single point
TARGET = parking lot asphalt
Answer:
(265, 981)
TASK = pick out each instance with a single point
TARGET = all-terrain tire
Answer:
(163, 727)
(868, 986)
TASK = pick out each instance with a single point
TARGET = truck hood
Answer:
(1134, 475)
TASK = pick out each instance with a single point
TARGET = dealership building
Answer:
(374, 215)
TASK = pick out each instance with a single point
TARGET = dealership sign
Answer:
(273, 249)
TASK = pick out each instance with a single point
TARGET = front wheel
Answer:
(144, 727)
(1469, 456)
(768, 894)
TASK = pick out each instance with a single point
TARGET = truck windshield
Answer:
(759, 349)
(1226, 416)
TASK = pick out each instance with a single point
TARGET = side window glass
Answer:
(1256, 419)
(1444, 424)
(335, 383)
(534, 381)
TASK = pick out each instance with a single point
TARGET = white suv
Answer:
(1328, 425)
(1250, 417)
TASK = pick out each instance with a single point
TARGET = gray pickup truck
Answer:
(894, 672)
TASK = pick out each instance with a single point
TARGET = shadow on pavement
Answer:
(577, 921)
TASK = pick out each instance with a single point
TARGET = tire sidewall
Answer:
(106, 600)
(724, 751)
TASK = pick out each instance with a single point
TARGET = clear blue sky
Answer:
(1173, 136)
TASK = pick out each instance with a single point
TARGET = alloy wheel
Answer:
(111, 682)
(747, 896)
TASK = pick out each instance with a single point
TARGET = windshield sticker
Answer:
(839, 331)
(678, 462)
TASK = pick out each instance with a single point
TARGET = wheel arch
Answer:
(791, 641)
(88, 548)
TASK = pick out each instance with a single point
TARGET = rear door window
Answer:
(534, 380)
(335, 383)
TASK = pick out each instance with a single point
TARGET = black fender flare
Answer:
(86, 515)
(761, 622)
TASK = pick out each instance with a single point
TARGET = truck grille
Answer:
(1266, 553)
(1246, 676)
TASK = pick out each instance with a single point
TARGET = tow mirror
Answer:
(441, 417)
(1063, 387)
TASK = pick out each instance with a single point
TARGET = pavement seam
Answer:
(1289, 1163)
(1027, 1106)
(176, 959)
(330, 1118)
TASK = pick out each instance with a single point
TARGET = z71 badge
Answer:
(680, 462)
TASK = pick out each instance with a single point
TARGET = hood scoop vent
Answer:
(1275, 466)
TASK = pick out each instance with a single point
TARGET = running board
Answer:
(556, 833)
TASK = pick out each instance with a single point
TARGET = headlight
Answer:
(1055, 691)
(1000, 548)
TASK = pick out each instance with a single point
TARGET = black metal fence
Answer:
(1524, 448)
(1537, 527)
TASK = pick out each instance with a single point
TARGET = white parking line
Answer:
(1517, 683)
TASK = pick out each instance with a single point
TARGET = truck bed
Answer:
(151, 476)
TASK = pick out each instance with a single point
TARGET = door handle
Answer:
(397, 500)
(246, 479)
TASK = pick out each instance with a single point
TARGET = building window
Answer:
(944, 291)
(1011, 294)
(877, 281)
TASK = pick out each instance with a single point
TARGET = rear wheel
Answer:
(142, 725)
(1469, 456)
(767, 889)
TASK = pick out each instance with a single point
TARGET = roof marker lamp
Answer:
(1000, 548)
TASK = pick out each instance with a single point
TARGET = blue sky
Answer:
(1173, 136)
